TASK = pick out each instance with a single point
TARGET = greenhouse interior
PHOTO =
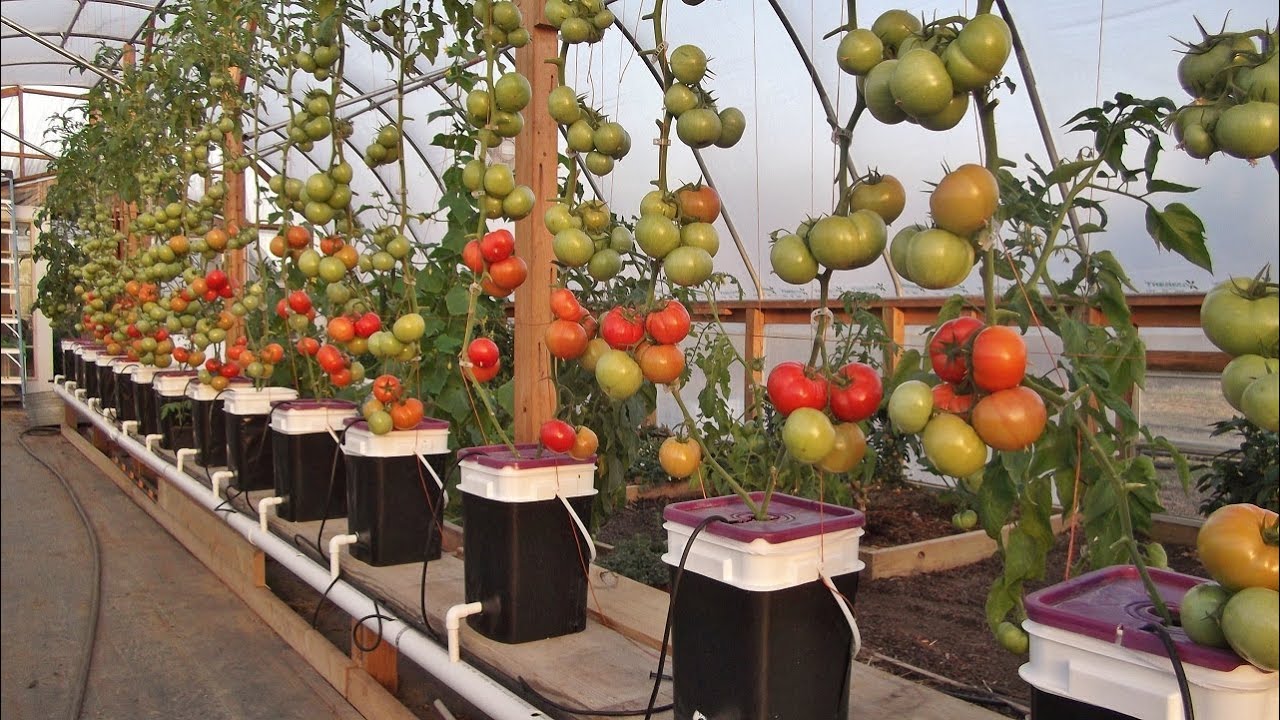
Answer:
(693, 359)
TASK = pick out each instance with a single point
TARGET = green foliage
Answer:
(177, 412)
(1247, 474)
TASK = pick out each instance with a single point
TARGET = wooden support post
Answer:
(22, 133)
(537, 165)
(753, 350)
(895, 327)
(233, 205)
(380, 662)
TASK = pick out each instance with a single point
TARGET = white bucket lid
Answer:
(143, 374)
(124, 366)
(255, 401)
(105, 360)
(90, 354)
(310, 416)
(173, 383)
(430, 437)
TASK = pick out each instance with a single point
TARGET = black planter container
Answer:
(144, 400)
(87, 369)
(125, 407)
(756, 633)
(309, 472)
(68, 357)
(527, 556)
(170, 386)
(105, 368)
(395, 506)
(207, 424)
(247, 414)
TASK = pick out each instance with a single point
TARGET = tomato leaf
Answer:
(1067, 171)
(1156, 185)
(995, 499)
(457, 300)
(1180, 230)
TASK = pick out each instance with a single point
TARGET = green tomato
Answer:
(894, 26)
(1242, 371)
(808, 435)
(688, 266)
(920, 84)
(1251, 624)
(878, 94)
(953, 446)
(618, 375)
(679, 99)
(562, 105)
(573, 247)
(699, 127)
(1241, 320)
(409, 328)
(512, 92)
(379, 422)
(657, 235)
(910, 406)
(331, 269)
(792, 261)
(1013, 638)
(1200, 614)
(859, 51)
(701, 235)
(733, 125)
(309, 262)
(938, 259)
(1260, 402)
(605, 264)
(688, 63)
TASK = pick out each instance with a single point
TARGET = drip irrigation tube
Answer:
(482, 691)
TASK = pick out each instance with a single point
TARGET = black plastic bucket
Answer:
(395, 502)
(125, 407)
(87, 370)
(527, 558)
(168, 387)
(68, 369)
(309, 472)
(144, 400)
(207, 426)
(105, 368)
(247, 414)
(1048, 706)
(755, 633)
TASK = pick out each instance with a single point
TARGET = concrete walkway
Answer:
(173, 642)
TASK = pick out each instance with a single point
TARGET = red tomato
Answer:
(509, 272)
(386, 388)
(669, 325)
(661, 364)
(225, 291)
(300, 302)
(860, 397)
(272, 353)
(484, 375)
(180, 355)
(368, 324)
(947, 399)
(233, 352)
(210, 295)
(1010, 419)
(792, 385)
(341, 329)
(483, 352)
(472, 257)
(999, 359)
(216, 279)
(341, 377)
(557, 436)
(566, 339)
(330, 358)
(282, 308)
(229, 370)
(161, 335)
(497, 245)
(308, 346)
(213, 365)
(622, 328)
(949, 348)
(564, 305)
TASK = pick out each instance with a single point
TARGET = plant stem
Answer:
(691, 425)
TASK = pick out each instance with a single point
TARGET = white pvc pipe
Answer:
(153, 437)
(335, 552)
(264, 510)
(453, 623)
(80, 393)
(57, 379)
(183, 454)
(486, 694)
(218, 480)
(129, 426)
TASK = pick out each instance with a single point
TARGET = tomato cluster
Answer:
(942, 256)
(678, 229)
(979, 403)
(388, 409)
(1241, 609)
(559, 436)
(493, 258)
(586, 234)
(1241, 316)
(1235, 90)
(699, 123)
(810, 401)
(579, 21)
(909, 72)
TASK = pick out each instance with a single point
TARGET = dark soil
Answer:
(933, 622)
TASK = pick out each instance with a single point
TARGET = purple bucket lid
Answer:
(525, 457)
(791, 518)
(1112, 602)
(303, 404)
(177, 373)
(426, 423)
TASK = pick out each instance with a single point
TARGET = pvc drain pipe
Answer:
(183, 454)
(153, 437)
(453, 623)
(218, 480)
(264, 508)
(482, 691)
(335, 552)
(129, 427)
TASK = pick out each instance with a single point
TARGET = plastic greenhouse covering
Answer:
(1082, 54)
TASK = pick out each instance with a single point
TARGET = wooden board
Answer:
(932, 555)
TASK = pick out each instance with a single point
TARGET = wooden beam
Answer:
(537, 165)
(22, 133)
(895, 327)
(753, 350)
(380, 661)
(233, 205)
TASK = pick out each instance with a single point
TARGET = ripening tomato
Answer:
(1010, 419)
(585, 443)
(622, 328)
(856, 392)
(947, 398)
(472, 257)
(368, 324)
(965, 200)
(300, 302)
(792, 385)
(998, 358)
(1237, 546)
(341, 329)
(698, 203)
(679, 457)
(330, 358)
(510, 272)
(406, 414)
(298, 237)
(483, 375)
(669, 325)
(660, 364)
(341, 377)
(557, 435)
(272, 353)
(308, 346)
(949, 348)
(565, 306)
(565, 339)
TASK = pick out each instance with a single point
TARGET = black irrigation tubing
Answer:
(81, 684)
